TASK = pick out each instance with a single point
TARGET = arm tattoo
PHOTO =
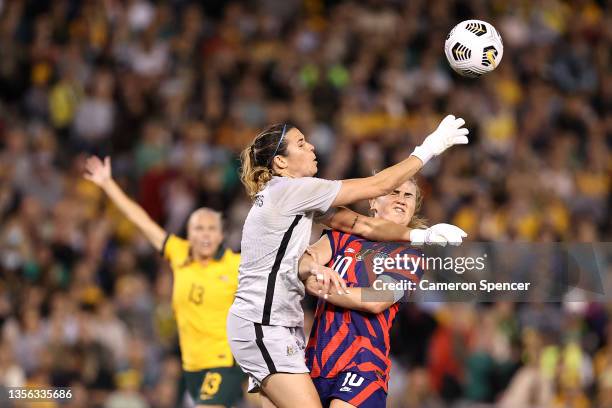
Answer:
(354, 222)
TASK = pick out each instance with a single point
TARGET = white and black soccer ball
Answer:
(473, 48)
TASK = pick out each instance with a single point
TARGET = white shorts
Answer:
(263, 350)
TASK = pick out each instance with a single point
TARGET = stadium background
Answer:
(174, 89)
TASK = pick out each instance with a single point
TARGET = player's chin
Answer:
(400, 219)
(206, 252)
(394, 218)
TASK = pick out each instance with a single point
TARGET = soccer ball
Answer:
(473, 48)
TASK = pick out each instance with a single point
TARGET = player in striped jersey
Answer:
(348, 350)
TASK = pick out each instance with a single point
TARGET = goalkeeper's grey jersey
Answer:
(275, 235)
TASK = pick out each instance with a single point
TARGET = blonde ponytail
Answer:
(253, 177)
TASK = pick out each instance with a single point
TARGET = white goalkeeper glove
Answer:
(449, 132)
(439, 234)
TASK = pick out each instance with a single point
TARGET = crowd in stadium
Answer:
(173, 90)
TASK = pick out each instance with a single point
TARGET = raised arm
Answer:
(99, 172)
(448, 133)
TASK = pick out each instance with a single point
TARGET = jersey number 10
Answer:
(341, 264)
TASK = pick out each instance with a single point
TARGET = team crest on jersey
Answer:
(363, 253)
(371, 252)
(258, 200)
(291, 350)
(381, 255)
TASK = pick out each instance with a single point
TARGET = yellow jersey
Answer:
(201, 298)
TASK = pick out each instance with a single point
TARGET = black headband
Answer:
(278, 145)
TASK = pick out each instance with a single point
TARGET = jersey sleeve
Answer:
(308, 194)
(175, 250)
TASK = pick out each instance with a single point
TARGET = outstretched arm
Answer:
(380, 184)
(99, 172)
(375, 229)
(354, 299)
(378, 229)
(450, 132)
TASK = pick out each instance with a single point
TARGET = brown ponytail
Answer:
(256, 160)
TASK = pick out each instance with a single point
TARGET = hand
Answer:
(312, 285)
(97, 171)
(325, 278)
(439, 234)
(449, 132)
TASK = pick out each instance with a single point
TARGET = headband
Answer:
(278, 144)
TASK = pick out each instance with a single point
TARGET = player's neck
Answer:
(204, 260)
(285, 174)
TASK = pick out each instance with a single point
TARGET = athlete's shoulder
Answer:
(344, 237)
(175, 249)
(276, 189)
(297, 184)
(231, 257)
(175, 242)
(340, 241)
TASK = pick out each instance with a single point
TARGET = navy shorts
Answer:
(351, 387)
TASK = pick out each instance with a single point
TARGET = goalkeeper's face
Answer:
(300, 159)
(205, 233)
(398, 206)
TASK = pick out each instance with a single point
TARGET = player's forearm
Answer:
(378, 229)
(135, 213)
(306, 266)
(374, 229)
(392, 177)
(350, 301)
(380, 184)
(354, 301)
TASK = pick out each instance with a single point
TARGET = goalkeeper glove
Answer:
(439, 234)
(449, 132)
